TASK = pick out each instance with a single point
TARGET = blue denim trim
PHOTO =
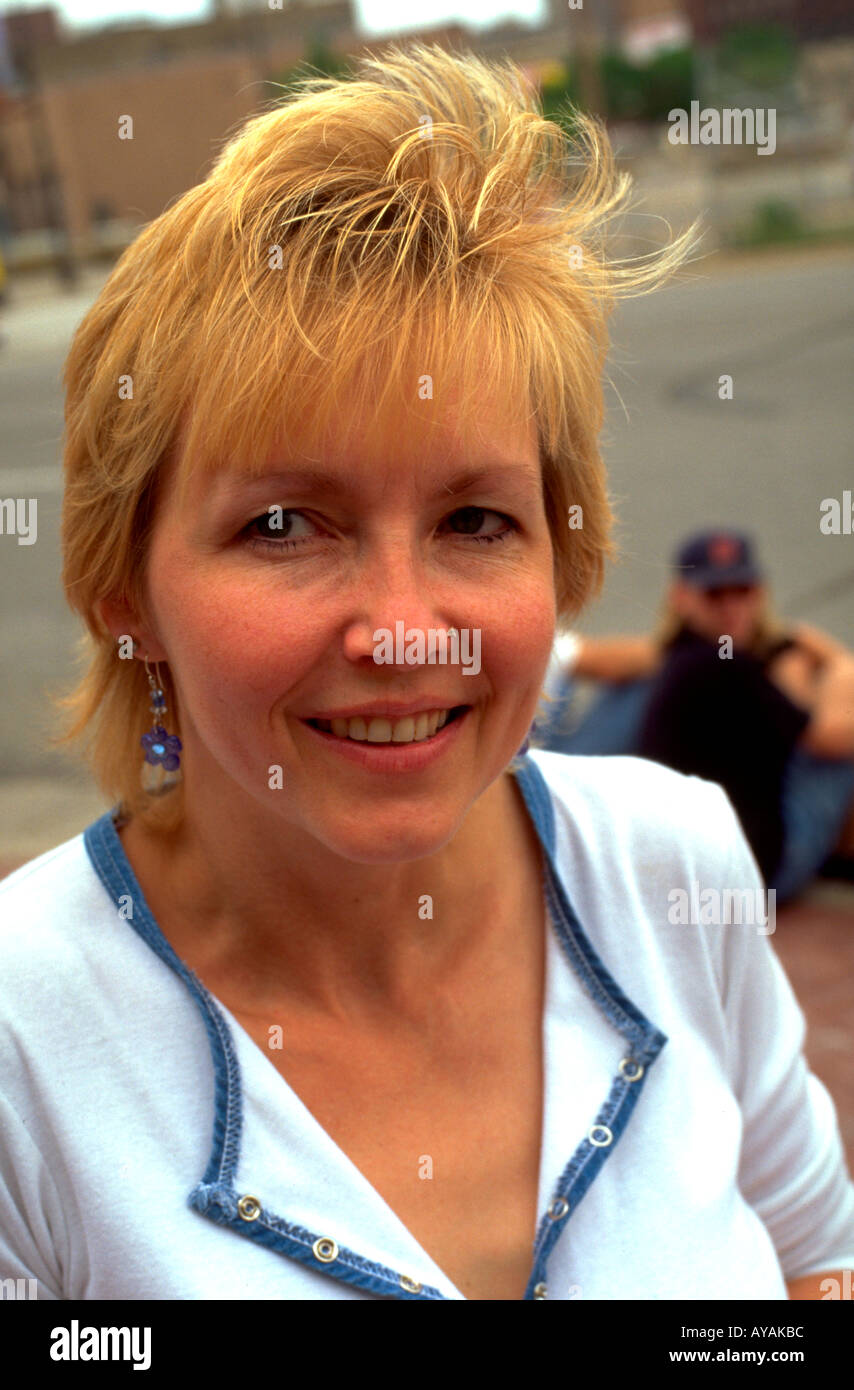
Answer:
(114, 870)
(645, 1041)
(220, 1205)
(216, 1198)
(538, 800)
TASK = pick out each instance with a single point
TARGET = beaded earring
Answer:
(160, 770)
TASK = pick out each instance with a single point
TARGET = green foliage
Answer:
(558, 97)
(761, 55)
(630, 91)
(318, 58)
(622, 85)
(319, 55)
(668, 83)
(779, 224)
(775, 221)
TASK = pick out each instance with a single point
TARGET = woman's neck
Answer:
(330, 932)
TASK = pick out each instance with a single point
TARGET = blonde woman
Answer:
(352, 1001)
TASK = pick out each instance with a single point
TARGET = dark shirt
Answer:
(723, 719)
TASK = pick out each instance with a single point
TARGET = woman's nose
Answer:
(394, 596)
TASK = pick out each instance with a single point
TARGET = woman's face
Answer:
(733, 610)
(270, 621)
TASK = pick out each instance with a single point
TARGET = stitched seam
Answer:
(596, 988)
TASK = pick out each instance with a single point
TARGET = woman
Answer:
(322, 1034)
(724, 690)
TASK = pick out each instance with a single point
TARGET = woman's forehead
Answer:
(358, 440)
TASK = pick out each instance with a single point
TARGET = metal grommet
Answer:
(603, 1130)
(558, 1208)
(411, 1285)
(634, 1075)
(541, 1291)
(325, 1249)
(249, 1208)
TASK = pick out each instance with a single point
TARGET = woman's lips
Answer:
(391, 755)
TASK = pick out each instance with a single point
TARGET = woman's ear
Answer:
(120, 618)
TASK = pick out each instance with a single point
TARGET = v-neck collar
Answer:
(216, 1196)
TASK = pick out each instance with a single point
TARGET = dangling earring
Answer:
(160, 771)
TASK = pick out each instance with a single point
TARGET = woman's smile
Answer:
(386, 725)
(380, 744)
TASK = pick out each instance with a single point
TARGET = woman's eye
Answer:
(280, 527)
(481, 523)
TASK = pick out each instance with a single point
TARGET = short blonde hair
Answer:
(423, 200)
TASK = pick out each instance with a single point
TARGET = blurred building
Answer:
(806, 19)
(68, 176)
(27, 30)
(637, 26)
(68, 179)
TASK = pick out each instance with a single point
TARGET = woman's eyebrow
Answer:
(499, 472)
(234, 484)
(312, 479)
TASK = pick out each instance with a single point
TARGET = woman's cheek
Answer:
(233, 647)
(517, 638)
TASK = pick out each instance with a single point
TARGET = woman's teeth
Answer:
(412, 729)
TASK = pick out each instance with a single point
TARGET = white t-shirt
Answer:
(687, 1152)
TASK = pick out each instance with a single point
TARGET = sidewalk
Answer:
(40, 312)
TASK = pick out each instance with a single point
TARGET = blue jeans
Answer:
(817, 792)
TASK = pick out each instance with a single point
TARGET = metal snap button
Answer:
(325, 1249)
(249, 1208)
(558, 1208)
(411, 1285)
(600, 1136)
(631, 1070)
(541, 1291)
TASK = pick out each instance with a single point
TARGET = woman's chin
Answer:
(386, 841)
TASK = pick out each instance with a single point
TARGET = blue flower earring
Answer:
(160, 771)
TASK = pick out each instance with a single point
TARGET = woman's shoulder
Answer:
(641, 822)
(49, 908)
(657, 867)
(34, 885)
(628, 790)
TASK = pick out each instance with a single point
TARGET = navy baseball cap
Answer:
(716, 559)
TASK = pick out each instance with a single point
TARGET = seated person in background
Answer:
(725, 691)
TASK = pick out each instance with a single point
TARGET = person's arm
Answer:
(615, 658)
(820, 646)
(33, 1230)
(830, 732)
